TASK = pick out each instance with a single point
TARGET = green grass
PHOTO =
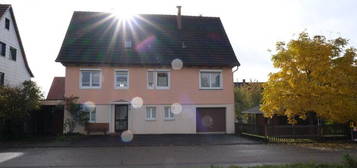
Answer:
(292, 166)
(348, 162)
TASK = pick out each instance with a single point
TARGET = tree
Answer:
(315, 76)
(16, 103)
(247, 96)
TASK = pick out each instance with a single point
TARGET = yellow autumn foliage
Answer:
(315, 75)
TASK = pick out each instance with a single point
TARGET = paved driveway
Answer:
(164, 156)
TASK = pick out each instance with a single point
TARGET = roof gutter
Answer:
(236, 69)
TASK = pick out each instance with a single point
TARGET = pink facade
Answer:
(184, 87)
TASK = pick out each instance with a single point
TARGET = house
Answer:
(151, 74)
(244, 83)
(14, 68)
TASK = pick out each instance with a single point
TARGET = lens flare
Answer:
(207, 121)
(127, 136)
(137, 102)
(176, 64)
(89, 106)
(176, 108)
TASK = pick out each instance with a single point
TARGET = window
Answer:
(150, 113)
(121, 79)
(168, 114)
(128, 44)
(2, 78)
(13, 53)
(7, 23)
(2, 49)
(211, 79)
(90, 79)
(158, 79)
(90, 111)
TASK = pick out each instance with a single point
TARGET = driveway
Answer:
(165, 156)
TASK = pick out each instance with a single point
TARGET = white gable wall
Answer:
(15, 71)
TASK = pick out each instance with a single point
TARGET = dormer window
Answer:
(7, 23)
(128, 44)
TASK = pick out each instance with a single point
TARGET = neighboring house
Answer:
(129, 74)
(48, 120)
(14, 68)
(56, 91)
(244, 83)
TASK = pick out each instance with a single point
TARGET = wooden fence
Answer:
(294, 131)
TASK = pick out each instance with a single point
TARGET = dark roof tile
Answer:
(97, 38)
(56, 91)
(3, 8)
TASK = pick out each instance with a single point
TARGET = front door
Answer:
(121, 118)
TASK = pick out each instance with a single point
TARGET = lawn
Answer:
(348, 162)
(292, 166)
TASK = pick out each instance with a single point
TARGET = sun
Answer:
(123, 15)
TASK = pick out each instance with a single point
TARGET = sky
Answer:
(253, 26)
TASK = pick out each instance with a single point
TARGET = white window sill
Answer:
(169, 119)
(162, 88)
(90, 87)
(210, 88)
(122, 88)
(150, 119)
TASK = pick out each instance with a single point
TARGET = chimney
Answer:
(179, 18)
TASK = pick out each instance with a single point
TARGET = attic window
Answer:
(7, 23)
(128, 44)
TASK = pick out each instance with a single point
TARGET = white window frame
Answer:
(150, 117)
(215, 71)
(115, 78)
(155, 71)
(171, 115)
(90, 79)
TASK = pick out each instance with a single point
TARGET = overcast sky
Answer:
(253, 26)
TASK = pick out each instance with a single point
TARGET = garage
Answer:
(211, 120)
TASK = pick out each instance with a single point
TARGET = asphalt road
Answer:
(165, 156)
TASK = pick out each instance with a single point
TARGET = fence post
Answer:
(265, 130)
(293, 130)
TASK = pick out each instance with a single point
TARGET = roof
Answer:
(57, 89)
(253, 110)
(3, 9)
(244, 83)
(98, 38)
